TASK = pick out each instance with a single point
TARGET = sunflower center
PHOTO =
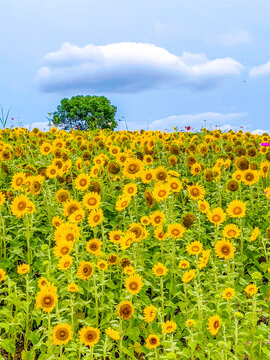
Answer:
(195, 192)
(90, 335)
(216, 324)
(237, 210)
(225, 250)
(216, 218)
(96, 218)
(19, 181)
(161, 193)
(61, 334)
(133, 285)
(133, 168)
(83, 182)
(231, 232)
(47, 301)
(87, 270)
(22, 205)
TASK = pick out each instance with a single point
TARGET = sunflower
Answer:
(149, 313)
(159, 269)
(95, 217)
(132, 168)
(184, 264)
(236, 209)
(250, 177)
(115, 236)
(127, 240)
(237, 175)
(63, 248)
(228, 293)
(264, 169)
(19, 206)
(251, 290)
(214, 324)
(85, 270)
(62, 195)
(72, 287)
(125, 310)
(70, 206)
(161, 191)
(203, 260)
(216, 216)
(267, 192)
(176, 231)
(46, 299)
(159, 234)
(224, 249)
(152, 341)
(62, 334)
(94, 246)
(188, 276)
(43, 282)
(160, 173)
(122, 202)
(231, 231)
(195, 248)
(196, 192)
(113, 334)
(112, 259)
(129, 270)
(157, 218)
(255, 233)
(52, 171)
(65, 262)
(134, 284)
(130, 189)
(102, 265)
(145, 220)
(23, 269)
(174, 184)
(18, 181)
(147, 176)
(190, 322)
(89, 336)
(138, 230)
(77, 216)
(82, 182)
(2, 274)
(2, 198)
(149, 199)
(203, 206)
(168, 327)
(45, 148)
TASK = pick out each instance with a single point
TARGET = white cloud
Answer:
(235, 38)
(42, 126)
(260, 131)
(128, 67)
(211, 120)
(260, 71)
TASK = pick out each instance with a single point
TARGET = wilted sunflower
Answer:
(168, 327)
(216, 216)
(149, 199)
(149, 313)
(95, 217)
(91, 200)
(231, 231)
(112, 259)
(232, 185)
(195, 248)
(134, 284)
(176, 231)
(125, 310)
(214, 324)
(159, 269)
(152, 341)
(251, 290)
(228, 293)
(62, 334)
(188, 220)
(85, 270)
(113, 334)
(188, 276)
(19, 206)
(94, 246)
(224, 249)
(89, 336)
(113, 168)
(2, 198)
(196, 192)
(236, 209)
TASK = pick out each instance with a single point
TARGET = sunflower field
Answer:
(134, 245)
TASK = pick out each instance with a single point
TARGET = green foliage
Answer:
(85, 113)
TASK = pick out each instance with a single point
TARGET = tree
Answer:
(85, 113)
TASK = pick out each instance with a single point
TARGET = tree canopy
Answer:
(85, 113)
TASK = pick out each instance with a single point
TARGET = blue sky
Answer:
(183, 62)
